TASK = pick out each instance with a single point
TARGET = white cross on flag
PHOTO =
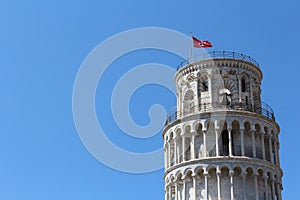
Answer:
(201, 43)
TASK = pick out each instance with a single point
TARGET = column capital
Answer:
(243, 174)
(270, 136)
(218, 130)
(195, 176)
(193, 133)
(265, 177)
(252, 131)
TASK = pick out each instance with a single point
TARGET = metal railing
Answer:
(218, 54)
(264, 110)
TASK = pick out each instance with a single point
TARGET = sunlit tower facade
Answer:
(221, 141)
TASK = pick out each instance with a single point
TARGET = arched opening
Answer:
(186, 142)
(238, 181)
(273, 147)
(236, 139)
(203, 83)
(248, 140)
(243, 84)
(225, 143)
(261, 185)
(212, 179)
(250, 191)
(225, 183)
(211, 139)
(258, 143)
(200, 184)
(199, 143)
(188, 103)
(269, 186)
(267, 144)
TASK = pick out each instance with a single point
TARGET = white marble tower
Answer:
(221, 141)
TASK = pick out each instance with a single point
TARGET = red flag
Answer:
(201, 43)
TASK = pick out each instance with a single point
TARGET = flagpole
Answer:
(191, 48)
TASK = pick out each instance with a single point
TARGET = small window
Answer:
(205, 85)
(243, 85)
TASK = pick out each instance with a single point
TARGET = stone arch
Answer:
(178, 175)
(236, 138)
(212, 179)
(238, 180)
(224, 139)
(258, 140)
(199, 170)
(188, 102)
(225, 182)
(250, 181)
(197, 125)
(248, 139)
(268, 153)
(257, 127)
(202, 82)
(187, 128)
(189, 95)
(188, 171)
(177, 132)
(198, 140)
(211, 139)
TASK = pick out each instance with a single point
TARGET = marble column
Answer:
(218, 173)
(206, 186)
(263, 145)
(169, 154)
(195, 186)
(279, 190)
(193, 146)
(209, 77)
(253, 144)
(217, 142)
(243, 141)
(170, 191)
(231, 173)
(165, 156)
(166, 193)
(251, 94)
(230, 142)
(176, 190)
(183, 148)
(276, 153)
(204, 143)
(175, 151)
(240, 89)
(244, 176)
(266, 186)
(273, 188)
(256, 186)
(271, 149)
(183, 189)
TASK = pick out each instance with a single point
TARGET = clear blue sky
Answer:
(42, 45)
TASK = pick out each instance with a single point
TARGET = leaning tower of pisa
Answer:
(221, 141)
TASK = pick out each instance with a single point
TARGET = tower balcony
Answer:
(219, 54)
(264, 110)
